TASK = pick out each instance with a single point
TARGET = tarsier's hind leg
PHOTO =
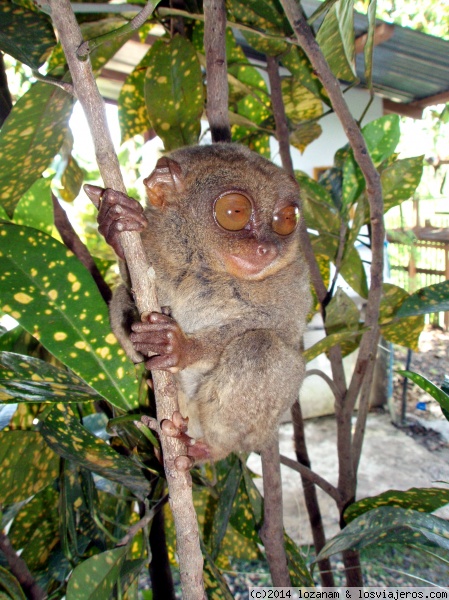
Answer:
(240, 403)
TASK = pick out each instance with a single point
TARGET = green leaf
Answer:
(400, 180)
(329, 342)
(369, 46)
(227, 490)
(71, 181)
(353, 183)
(342, 313)
(336, 39)
(299, 66)
(27, 379)
(66, 436)
(263, 15)
(214, 582)
(174, 92)
(27, 465)
(10, 586)
(430, 299)
(420, 499)
(300, 104)
(26, 35)
(382, 136)
(95, 578)
(353, 271)
(35, 529)
(318, 207)
(299, 573)
(438, 394)
(35, 208)
(404, 331)
(53, 296)
(29, 139)
(389, 525)
(132, 113)
(304, 134)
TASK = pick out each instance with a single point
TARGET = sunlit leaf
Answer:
(336, 39)
(132, 112)
(35, 208)
(71, 180)
(382, 136)
(300, 104)
(70, 319)
(329, 342)
(27, 465)
(400, 180)
(400, 330)
(29, 139)
(174, 92)
(95, 578)
(420, 499)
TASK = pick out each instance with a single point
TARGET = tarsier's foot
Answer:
(196, 449)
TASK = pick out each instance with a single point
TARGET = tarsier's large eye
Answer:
(233, 211)
(286, 220)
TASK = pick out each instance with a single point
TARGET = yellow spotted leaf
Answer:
(53, 296)
(27, 465)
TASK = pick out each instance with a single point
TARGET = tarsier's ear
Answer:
(166, 180)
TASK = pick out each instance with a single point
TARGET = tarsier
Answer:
(221, 231)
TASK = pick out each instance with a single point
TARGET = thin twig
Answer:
(327, 379)
(142, 523)
(311, 476)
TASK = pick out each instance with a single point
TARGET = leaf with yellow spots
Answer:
(264, 16)
(388, 525)
(132, 113)
(400, 180)
(174, 92)
(437, 393)
(95, 578)
(300, 104)
(334, 339)
(27, 379)
(10, 588)
(299, 66)
(35, 208)
(430, 299)
(420, 499)
(54, 297)
(404, 331)
(27, 465)
(29, 139)
(35, 529)
(299, 573)
(71, 180)
(214, 582)
(68, 438)
(24, 34)
(382, 136)
(304, 134)
(336, 39)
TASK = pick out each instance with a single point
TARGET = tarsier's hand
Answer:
(117, 212)
(161, 335)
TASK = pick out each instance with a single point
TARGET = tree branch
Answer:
(142, 280)
(272, 532)
(20, 570)
(311, 476)
(216, 70)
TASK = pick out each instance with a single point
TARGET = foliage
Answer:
(63, 376)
